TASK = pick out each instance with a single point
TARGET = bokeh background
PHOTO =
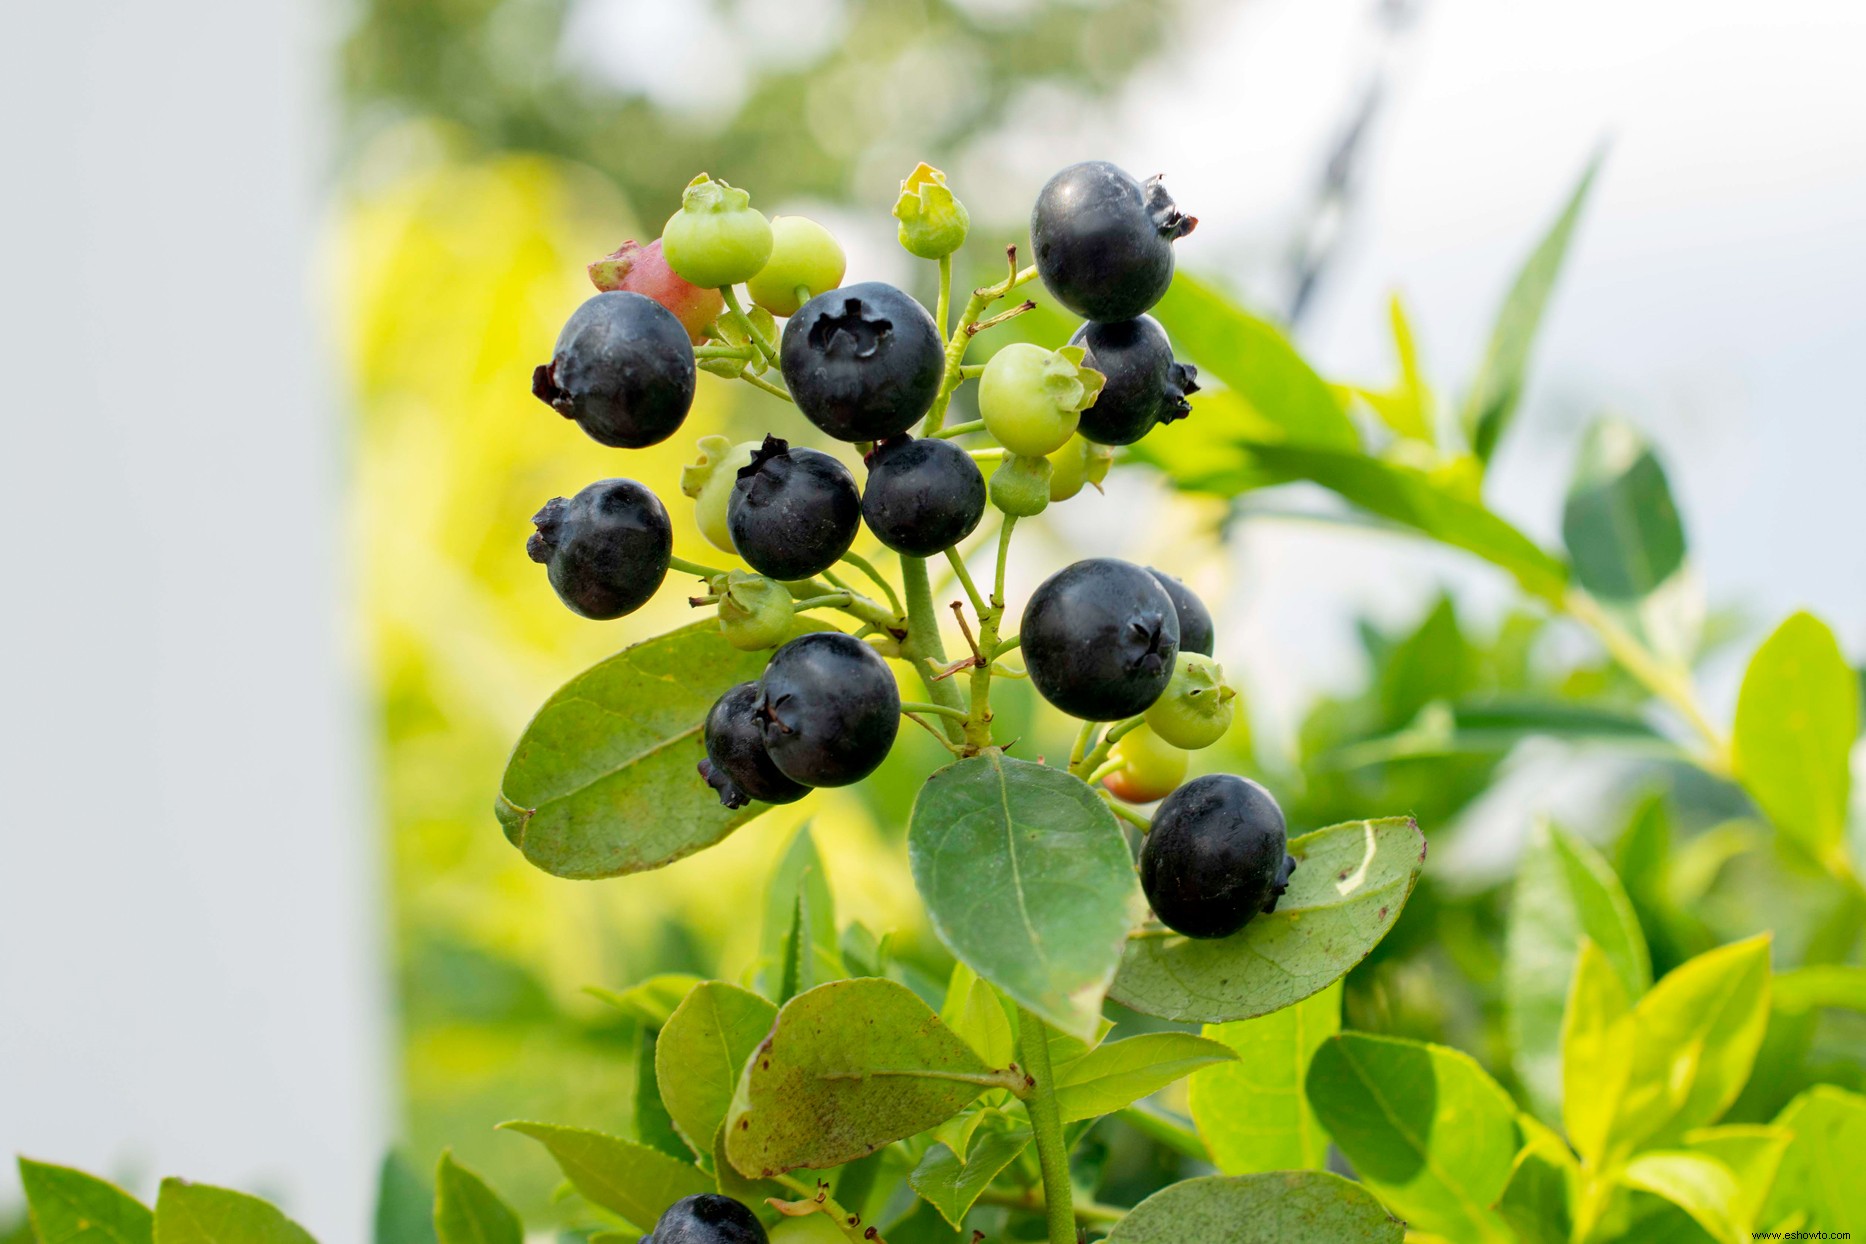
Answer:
(279, 274)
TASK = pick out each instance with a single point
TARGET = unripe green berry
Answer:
(709, 482)
(804, 256)
(1021, 486)
(1151, 768)
(644, 270)
(1031, 398)
(1079, 462)
(755, 612)
(1195, 709)
(717, 238)
(933, 222)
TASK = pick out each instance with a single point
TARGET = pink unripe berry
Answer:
(643, 270)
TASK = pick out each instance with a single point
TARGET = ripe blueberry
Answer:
(793, 512)
(830, 709)
(1104, 241)
(709, 1219)
(1099, 639)
(643, 270)
(1144, 387)
(1151, 768)
(623, 369)
(803, 255)
(922, 496)
(1195, 620)
(736, 764)
(1032, 398)
(606, 548)
(1195, 709)
(717, 238)
(863, 362)
(1216, 856)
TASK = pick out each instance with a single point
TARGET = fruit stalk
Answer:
(1046, 1123)
(922, 644)
(737, 313)
(962, 336)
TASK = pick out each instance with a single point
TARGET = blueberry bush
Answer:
(1663, 1075)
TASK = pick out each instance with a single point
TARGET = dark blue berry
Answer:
(1195, 620)
(1217, 855)
(1099, 639)
(831, 709)
(606, 548)
(863, 362)
(922, 496)
(623, 369)
(793, 512)
(1104, 241)
(709, 1219)
(1144, 386)
(737, 765)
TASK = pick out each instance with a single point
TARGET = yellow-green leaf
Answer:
(1699, 1185)
(1252, 1113)
(701, 1054)
(1597, 1050)
(188, 1213)
(1818, 1184)
(1120, 1073)
(633, 1180)
(71, 1207)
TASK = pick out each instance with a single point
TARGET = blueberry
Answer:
(1144, 386)
(793, 512)
(922, 496)
(1100, 638)
(863, 362)
(736, 764)
(1195, 620)
(623, 369)
(1216, 856)
(606, 548)
(830, 709)
(1104, 241)
(709, 1219)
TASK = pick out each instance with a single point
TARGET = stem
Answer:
(724, 352)
(682, 564)
(1169, 1132)
(849, 1224)
(1046, 1122)
(759, 382)
(744, 321)
(1084, 738)
(938, 710)
(1091, 760)
(1010, 645)
(997, 586)
(1136, 819)
(866, 567)
(1664, 681)
(942, 312)
(960, 429)
(962, 333)
(965, 579)
(923, 642)
(1086, 1211)
(835, 600)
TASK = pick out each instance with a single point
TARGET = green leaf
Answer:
(1120, 1073)
(702, 1053)
(1350, 883)
(1620, 523)
(1278, 1207)
(952, 1185)
(1695, 1038)
(1818, 1184)
(632, 1180)
(1840, 985)
(404, 1204)
(849, 1067)
(188, 1213)
(1564, 892)
(650, 1002)
(603, 781)
(653, 1125)
(1539, 1200)
(1027, 879)
(467, 1211)
(71, 1207)
(1424, 1126)
(1499, 384)
(1416, 499)
(1596, 1049)
(1701, 1186)
(1753, 1153)
(1796, 718)
(974, 1011)
(1253, 359)
(1252, 1113)
(800, 912)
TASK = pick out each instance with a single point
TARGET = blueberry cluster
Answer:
(867, 365)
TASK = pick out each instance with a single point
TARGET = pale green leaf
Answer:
(468, 1211)
(800, 914)
(1596, 1050)
(1252, 1113)
(1277, 1207)
(1349, 885)
(1840, 985)
(849, 1067)
(1753, 1152)
(633, 1180)
(1120, 1073)
(71, 1207)
(1425, 1128)
(654, 1127)
(404, 1204)
(1545, 1182)
(973, 1010)
(1619, 522)
(702, 1052)
(952, 1184)
(1498, 387)
(1027, 879)
(1818, 1184)
(651, 1001)
(1699, 1185)
(188, 1213)
(1564, 892)
(603, 781)
(1796, 719)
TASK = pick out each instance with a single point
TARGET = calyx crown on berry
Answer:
(933, 222)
